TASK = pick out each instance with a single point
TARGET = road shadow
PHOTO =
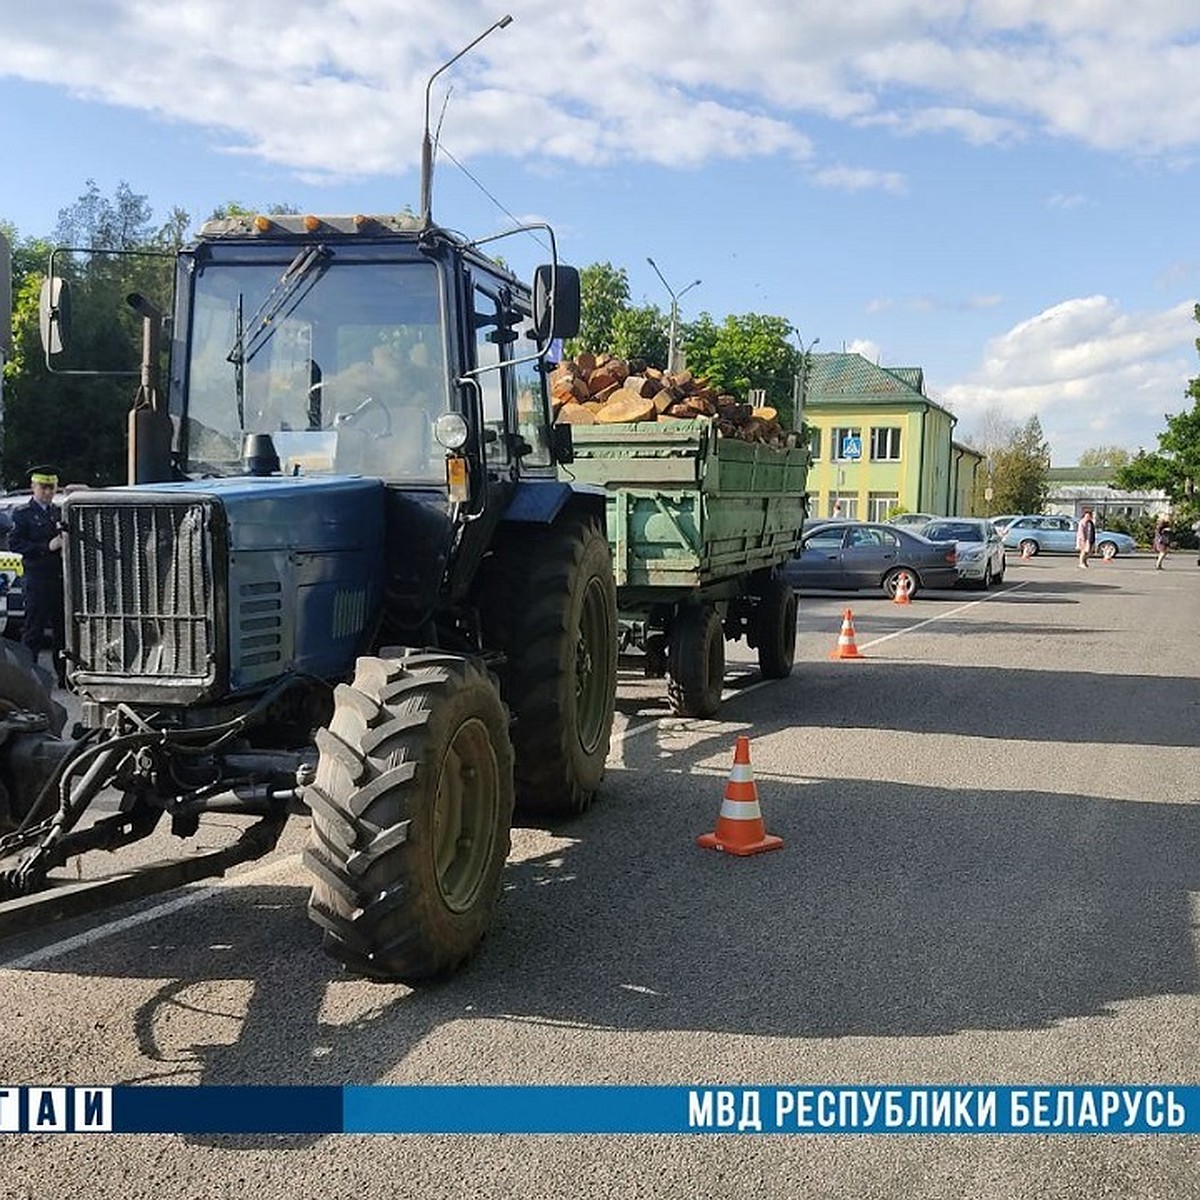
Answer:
(891, 911)
(988, 702)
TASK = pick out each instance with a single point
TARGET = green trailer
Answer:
(699, 526)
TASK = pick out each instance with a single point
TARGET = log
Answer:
(576, 414)
(626, 407)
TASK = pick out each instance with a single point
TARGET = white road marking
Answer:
(195, 896)
(285, 865)
(950, 612)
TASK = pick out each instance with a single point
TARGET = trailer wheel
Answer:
(775, 630)
(411, 815)
(696, 661)
(549, 602)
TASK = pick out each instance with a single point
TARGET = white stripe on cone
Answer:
(740, 810)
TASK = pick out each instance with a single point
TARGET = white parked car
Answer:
(980, 559)
(911, 521)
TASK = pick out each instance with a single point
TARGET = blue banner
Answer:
(834, 1108)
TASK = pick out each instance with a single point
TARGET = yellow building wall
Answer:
(919, 481)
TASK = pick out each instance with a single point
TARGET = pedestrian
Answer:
(37, 536)
(1196, 531)
(1162, 539)
(1085, 537)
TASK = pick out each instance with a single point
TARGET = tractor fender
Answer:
(539, 502)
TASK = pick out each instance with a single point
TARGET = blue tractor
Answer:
(345, 580)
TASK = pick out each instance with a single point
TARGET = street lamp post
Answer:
(800, 388)
(671, 364)
(427, 141)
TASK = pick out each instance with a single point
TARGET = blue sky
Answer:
(1001, 192)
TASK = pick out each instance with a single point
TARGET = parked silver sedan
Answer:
(981, 560)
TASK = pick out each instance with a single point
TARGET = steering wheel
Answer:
(359, 415)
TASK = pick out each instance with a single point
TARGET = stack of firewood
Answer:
(601, 389)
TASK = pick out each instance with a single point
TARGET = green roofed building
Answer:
(879, 443)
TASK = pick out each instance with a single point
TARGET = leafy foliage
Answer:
(604, 294)
(641, 333)
(1020, 480)
(77, 422)
(1175, 466)
(744, 352)
(1105, 456)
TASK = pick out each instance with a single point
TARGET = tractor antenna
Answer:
(427, 140)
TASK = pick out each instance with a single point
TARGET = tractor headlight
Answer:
(450, 431)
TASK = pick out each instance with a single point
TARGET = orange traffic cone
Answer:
(902, 596)
(740, 828)
(846, 646)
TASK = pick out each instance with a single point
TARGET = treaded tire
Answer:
(411, 815)
(696, 661)
(550, 603)
(25, 686)
(775, 629)
(891, 582)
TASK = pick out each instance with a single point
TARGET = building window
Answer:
(814, 444)
(885, 443)
(879, 504)
(844, 504)
(846, 444)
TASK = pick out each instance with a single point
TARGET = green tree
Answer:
(1020, 469)
(604, 293)
(1175, 466)
(231, 208)
(744, 352)
(95, 222)
(641, 333)
(78, 422)
(1105, 456)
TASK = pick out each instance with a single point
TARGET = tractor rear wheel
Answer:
(550, 604)
(23, 688)
(411, 815)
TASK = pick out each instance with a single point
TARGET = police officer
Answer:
(37, 537)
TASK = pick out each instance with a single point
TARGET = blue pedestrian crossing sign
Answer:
(851, 447)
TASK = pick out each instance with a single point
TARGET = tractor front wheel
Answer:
(411, 815)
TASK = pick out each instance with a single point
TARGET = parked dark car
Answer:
(851, 555)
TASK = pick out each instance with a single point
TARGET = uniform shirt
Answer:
(33, 527)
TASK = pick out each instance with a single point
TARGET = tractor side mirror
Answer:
(562, 443)
(54, 313)
(556, 302)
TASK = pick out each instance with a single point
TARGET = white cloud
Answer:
(1065, 201)
(870, 350)
(336, 87)
(857, 179)
(1092, 374)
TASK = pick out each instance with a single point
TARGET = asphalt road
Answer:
(990, 874)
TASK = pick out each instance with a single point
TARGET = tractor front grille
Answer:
(141, 595)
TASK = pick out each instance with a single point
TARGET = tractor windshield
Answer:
(342, 363)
